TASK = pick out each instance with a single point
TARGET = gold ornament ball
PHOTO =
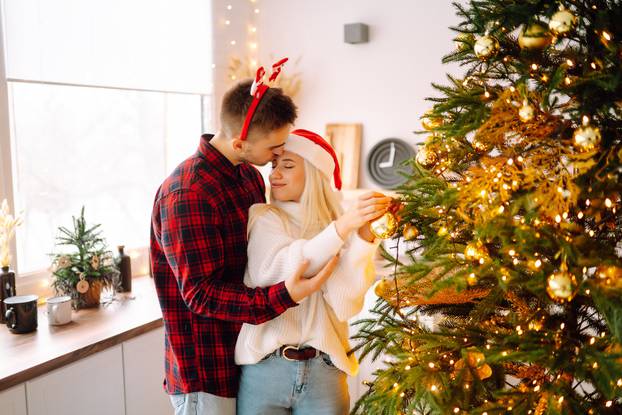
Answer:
(471, 279)
(562, 23)
(383, 288)
(429, 122)
(474, 360)
(526, 112)
(410, 232)
(385, 226)
(463, 40)
(535, 36)
(486, 47)
(586, 138)
(427, 157)
(561, 286)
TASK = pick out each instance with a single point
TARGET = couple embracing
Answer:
(256, 296)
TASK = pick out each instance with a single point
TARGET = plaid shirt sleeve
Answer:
(192, 242)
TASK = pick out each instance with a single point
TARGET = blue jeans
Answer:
(276, 386)
(202, 403)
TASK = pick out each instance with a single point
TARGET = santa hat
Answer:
(316, 151)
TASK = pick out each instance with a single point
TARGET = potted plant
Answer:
(86, 267)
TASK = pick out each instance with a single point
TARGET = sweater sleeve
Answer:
(346, 289)
(273, 255)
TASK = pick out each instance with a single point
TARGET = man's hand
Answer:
(300, 287)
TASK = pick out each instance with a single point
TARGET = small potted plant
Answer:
(85, 267)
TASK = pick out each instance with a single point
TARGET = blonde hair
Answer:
(319, 205)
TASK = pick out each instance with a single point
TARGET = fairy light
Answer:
(608, 404)
(256, 11)
(431, 365)
(606, 35)
(534, 66)
(253, 45)
(593, 65)
(487, 94)
(456, 410)
(232, 43)
(512, 89)
(608, 203)
(407, 367)
(229, 7)
(227, 22)
(569, 63)
(619, 382)
(567, 80)
(433, 388)
(592, 340)
(510, 161)
(560, 400)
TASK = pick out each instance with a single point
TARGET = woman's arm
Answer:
(273, 254)
(346, 289)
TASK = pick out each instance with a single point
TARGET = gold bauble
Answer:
(383, 288)
(562, 23)
(475, 360)
(463, 40)
(586, 138)
(561, 286)
(385, 226)
(429, 122)
(475, 251)
(535, 36)
(526, 112)
(471, 279)
(410, 232)
(426, 156)
(486, 47)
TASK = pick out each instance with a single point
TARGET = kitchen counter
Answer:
(26, 356)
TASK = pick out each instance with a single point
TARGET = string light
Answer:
(229, 7)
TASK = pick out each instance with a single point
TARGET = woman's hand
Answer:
(368, 207)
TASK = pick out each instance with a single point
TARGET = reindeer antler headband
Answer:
(258, 90)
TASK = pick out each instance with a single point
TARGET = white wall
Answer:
(381, 84)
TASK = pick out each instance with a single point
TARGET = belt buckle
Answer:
(285, 349)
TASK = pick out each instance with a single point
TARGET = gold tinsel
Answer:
(419, 292)
(546, 169)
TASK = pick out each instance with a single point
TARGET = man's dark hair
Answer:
(275, 110)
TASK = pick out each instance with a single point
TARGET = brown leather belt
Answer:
(295, 353)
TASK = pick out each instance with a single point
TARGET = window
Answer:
(100, 112)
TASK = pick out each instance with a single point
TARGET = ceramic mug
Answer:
(21, 313)
(59, 310)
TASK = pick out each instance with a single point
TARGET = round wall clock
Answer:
(385, 159)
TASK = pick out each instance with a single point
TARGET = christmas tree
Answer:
(510, 225)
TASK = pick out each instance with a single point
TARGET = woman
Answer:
(298, 362)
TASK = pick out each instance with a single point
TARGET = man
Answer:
(198, 251)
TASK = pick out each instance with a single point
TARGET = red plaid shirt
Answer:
(198, 258)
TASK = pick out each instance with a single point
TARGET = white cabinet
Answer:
(143, 362)
(13, 401)
(93, 385)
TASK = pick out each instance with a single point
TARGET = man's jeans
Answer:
(201, 403)
(276, 386)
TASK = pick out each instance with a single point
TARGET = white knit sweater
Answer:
(320, 320)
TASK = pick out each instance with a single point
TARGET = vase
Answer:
(92, 296)
(7, 289)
